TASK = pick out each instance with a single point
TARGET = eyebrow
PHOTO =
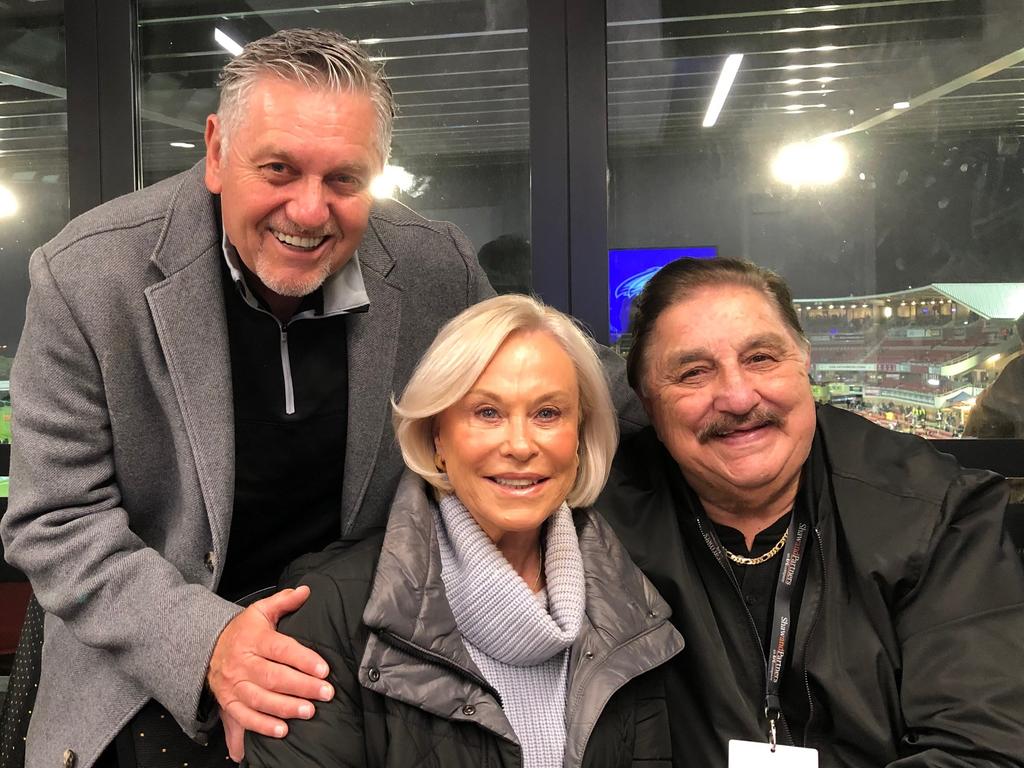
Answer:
(554, 394)
(687, 356)
(355, 169)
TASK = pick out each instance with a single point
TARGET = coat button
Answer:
(468, 710)
(374, 674)
(209, 561)
(588, 654)
(69, 758)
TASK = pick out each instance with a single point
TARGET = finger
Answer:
(234, 736)
(257, 722)
(275, 704)
(285, 680)
(282, 603)
(281, 649)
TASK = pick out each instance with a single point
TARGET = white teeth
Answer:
(514, 483)
(298, 242)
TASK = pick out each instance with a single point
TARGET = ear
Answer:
(214, 142)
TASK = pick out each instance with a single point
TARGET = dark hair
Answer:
(680, 279)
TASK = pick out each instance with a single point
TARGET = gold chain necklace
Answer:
(740, 560)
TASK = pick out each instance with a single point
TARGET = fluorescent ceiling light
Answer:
(901, 105)
(226, 42)
(183, 145)
(729, 70)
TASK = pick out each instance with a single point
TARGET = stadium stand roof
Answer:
(992, 301)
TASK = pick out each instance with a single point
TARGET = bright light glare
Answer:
(901, 105)
(729, 70)
(226, 42)
(886, 312)
(8, 203)
(810, 163)
(393, 179)
(993, 358)
(933, 382)
(183, 144)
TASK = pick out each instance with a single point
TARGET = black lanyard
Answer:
(782, 624)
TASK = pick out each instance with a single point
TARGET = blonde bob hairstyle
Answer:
(458, 356)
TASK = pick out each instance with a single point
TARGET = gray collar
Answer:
(493, 606)
(344, 291)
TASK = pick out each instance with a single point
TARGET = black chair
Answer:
(24, 668)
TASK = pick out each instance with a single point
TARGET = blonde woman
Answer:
(497, 621)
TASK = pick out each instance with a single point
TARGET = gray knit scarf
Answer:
(519, 644)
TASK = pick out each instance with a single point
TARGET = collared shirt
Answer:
(342, 293)
(290, 394)
(757, 582)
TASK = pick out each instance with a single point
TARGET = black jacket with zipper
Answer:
(407, 693)
(909, 645)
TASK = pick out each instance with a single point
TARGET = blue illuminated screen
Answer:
(629, 269)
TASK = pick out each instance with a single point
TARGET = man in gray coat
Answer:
(201, 394)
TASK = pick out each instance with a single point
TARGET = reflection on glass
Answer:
(459, 71)
(33, 159)
(870, 153)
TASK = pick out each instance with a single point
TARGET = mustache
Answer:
(727, 422)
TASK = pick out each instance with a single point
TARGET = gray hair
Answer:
(316, 58)
(458, 356)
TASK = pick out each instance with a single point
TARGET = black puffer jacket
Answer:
(909, 643)
(406, 690)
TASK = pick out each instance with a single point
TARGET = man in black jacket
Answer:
(840, 587)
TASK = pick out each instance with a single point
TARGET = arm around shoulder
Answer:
(336, 734)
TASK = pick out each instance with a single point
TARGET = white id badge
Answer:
(758, 754)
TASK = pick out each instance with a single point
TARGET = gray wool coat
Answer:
(123, 452)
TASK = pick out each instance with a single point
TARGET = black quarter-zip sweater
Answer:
(290, 387)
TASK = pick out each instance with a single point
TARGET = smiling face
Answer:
(294, 182)
(727, 390)
(510, 444)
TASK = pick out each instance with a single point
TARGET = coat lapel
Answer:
(188, 313)
(372, 338)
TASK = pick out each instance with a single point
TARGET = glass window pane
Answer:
(461, 143)
(33, 208)
(33, 161)
(870, 153)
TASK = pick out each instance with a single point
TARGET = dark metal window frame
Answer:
(568, 155)
(103, 97)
